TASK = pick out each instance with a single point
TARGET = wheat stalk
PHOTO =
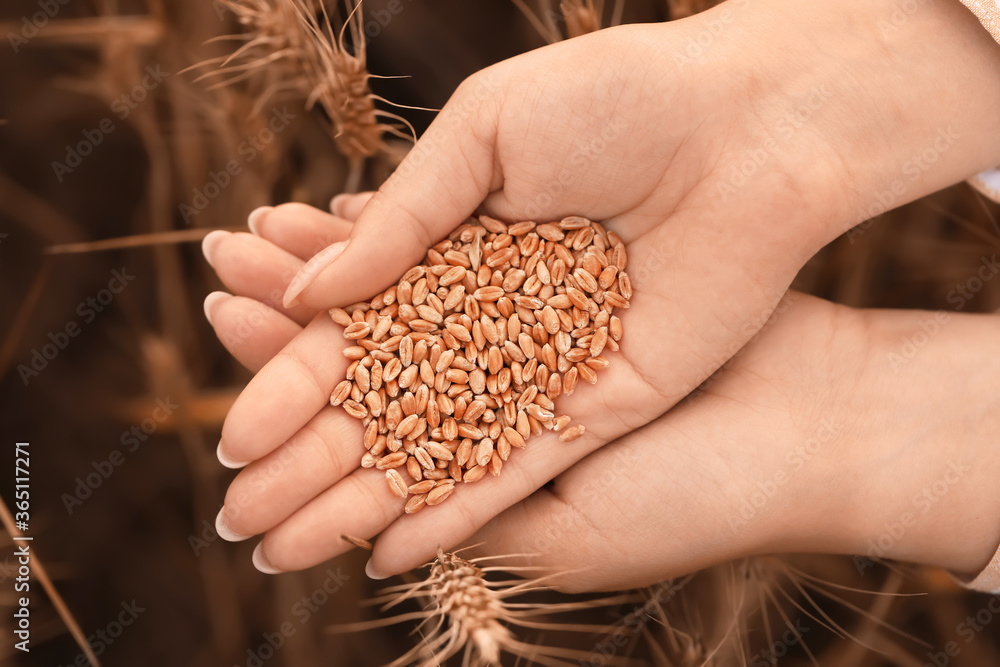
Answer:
(274, 54)
(469, 614)
(339, 79)
(291, 51)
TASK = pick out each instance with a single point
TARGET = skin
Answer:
(628, 128)
(839, 436)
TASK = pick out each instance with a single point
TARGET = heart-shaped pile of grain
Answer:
(463, 359)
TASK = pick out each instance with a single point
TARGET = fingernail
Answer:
(225, 532)
(228, 462)
(261, 563)
(373, 573)
(310, 270)
(338, 202)
(212, 301)
(256, 217)
(211, 243)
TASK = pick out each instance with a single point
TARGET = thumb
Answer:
(442, 181)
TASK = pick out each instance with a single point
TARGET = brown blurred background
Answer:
(124, 418)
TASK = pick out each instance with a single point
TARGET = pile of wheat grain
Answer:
(463, 359)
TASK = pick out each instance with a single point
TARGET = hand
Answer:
(820, 436)
(660, 186)
(826, 434)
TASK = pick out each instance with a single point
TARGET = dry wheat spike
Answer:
(466, 613)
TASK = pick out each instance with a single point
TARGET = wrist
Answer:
(887, 105)
(918, 459)
(941, 70)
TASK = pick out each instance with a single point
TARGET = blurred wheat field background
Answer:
(117, 159)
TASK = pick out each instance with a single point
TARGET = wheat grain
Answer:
(462, 360)
(358, 542)
(396, 483)
(415, 504)
(439, 494)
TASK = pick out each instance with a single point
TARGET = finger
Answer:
(252, 332)
(298, 229)
(274, 487)
(439, 184)
(287, 392)
(252, 267)
(349, 206)
(360, 505)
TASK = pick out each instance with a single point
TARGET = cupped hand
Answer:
(816, 437)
